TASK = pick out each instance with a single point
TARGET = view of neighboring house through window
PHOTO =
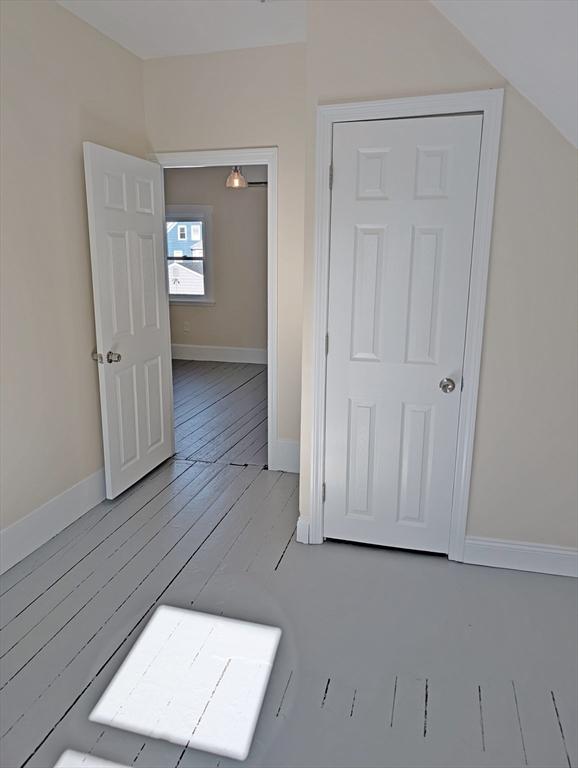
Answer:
(186, 258)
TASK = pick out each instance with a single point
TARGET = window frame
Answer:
(192, 213)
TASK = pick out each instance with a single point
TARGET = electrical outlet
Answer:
(186, 327)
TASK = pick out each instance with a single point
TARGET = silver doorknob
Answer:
(113, 357)
(447, 385)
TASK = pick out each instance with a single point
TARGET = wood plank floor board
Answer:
(387, 658)
(221, 400)
(242, 445)
(195, 377)
(222, 414)
(51, 548)
(542, 739)
(259, 486)
(118, 605)
(229, 393)
(214, 420)
(80, 527)
(210, 385)
(213, 384)
(243, 451)
(248, 543)
(193, 374)
(275, 544)
(83, 582)
(223, 430)
(213, 407)
(216, 448)
(22, 600)
(267, 498)
(187, 509)
(261, 456)
(563, 698)
(216, 392)
(306, 733)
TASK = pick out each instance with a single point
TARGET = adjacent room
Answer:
(289, 383)
(216, 230)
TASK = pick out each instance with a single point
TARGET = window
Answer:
(187, 253)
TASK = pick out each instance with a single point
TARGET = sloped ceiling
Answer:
(155, 28)
(533, 44)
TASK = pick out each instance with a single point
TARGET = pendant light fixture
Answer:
(236, 180)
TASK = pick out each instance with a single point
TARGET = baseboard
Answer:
(284, 455)
(219, 354)
(39, 526)
(521, 556)
(302, 532)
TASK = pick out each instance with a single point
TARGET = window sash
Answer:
(186, 259)
(189, 216)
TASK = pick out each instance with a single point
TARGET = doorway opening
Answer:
(220, 251)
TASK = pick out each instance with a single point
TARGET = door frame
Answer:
(489, 104)
(276, 456)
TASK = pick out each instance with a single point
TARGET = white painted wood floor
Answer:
(387, 658)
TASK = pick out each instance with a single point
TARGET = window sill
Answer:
(192, 300)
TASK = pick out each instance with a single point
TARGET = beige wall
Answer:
(247, 98)
(524, 470)
(238, 251)
(62, 83)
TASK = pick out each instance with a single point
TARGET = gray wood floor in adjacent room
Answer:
(221, 412)
(387, 658)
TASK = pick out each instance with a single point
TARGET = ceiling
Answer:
(532, 43)
(155, 28)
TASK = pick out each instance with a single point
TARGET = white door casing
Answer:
(402, 224)
(282, 454)
(126, 219)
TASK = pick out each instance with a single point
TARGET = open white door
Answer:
(126, 219)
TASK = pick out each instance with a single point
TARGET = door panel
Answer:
(125, 212)
(367, 267)
(360, 457)
(402, 217)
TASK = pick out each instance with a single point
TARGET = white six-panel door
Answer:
(126, 220)
(402, 218)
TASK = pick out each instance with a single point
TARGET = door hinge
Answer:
(331, 176)
(462, 385)
(323, 492)
(97, 357)
(326, 344)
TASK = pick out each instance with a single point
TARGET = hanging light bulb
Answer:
(236, 180)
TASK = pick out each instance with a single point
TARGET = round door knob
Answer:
(113, 357)
(447, 385)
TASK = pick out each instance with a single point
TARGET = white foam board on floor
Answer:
(72, 759)
(193, 679)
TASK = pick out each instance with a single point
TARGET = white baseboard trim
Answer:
(302, 533)
(21, 538)
(219, 354)
(284, 455)
(521, 556)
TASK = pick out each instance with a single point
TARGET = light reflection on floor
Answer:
(193, 679)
